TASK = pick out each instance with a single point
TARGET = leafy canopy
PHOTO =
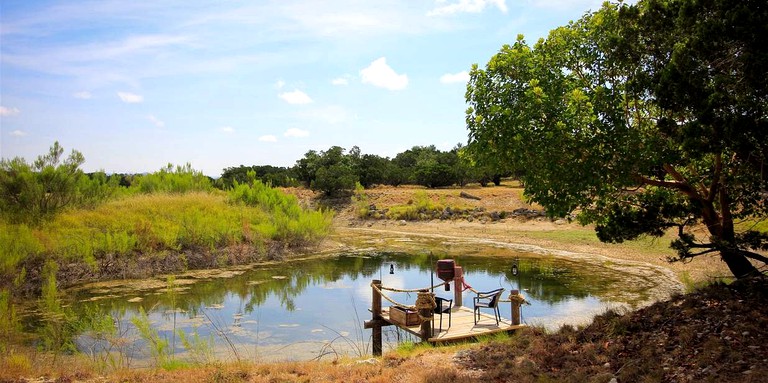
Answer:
(639, 118)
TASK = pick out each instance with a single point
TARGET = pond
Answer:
(314, 308)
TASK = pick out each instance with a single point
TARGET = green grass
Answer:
(757, 225)
(587, 236)
(159, 222)
(156, 222)
(420, 204)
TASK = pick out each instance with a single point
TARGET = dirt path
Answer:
(518, 232)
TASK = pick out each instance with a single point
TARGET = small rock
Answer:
(614, 380)
(368, 361)
(607, 365)
(560, 222)
(402, 222)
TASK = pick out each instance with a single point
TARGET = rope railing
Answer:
(519, 298)
(394, 302)
(425, 300)
(413, 290)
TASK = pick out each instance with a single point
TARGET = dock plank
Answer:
(462, 325)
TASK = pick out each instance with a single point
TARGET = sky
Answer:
(135, 85)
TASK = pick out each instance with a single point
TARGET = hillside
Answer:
(716, 334)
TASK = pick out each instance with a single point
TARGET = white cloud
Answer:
(7, 112)
(461, 77)
(84, 95)
(130, 98)
(156, 121)
(381, 75)
(18, 133)
(296, 97)
(340, 81)
(279, 84)
(268, 138)
(227, 129)
(295, 132)
(468, 6)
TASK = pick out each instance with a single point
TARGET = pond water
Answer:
(307, 309)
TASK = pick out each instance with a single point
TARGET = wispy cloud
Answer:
(84, 95)
(18, 133)
(130, 98)
(340, 81)
(461, 77)
(295, 132)
(8, 112)
(279, 84)
(381, 75)
(156, 121)
(227, 129)
(466, 6)
(296, 97)
(268, 138)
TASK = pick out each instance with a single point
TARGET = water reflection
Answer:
(320, 300)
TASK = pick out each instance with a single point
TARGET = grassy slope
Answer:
(175, 231)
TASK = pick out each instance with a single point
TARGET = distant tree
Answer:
(434, 168)
(642, 118)
(405, 166)
(31, 193)
(306, 168)
(269, 175)
(373, 169)
(334, 173)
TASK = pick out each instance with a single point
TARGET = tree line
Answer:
(337, 170)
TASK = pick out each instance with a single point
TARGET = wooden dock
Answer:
(463, 326)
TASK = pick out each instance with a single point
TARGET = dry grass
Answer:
(713, 335)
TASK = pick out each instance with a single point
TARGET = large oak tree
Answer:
(640, 118)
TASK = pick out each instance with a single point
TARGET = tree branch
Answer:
(683, 186)
(686, 187)
(716, 178)
(691, 255)
(754, 256)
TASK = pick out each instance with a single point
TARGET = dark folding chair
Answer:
(488, 300)
(443, 307)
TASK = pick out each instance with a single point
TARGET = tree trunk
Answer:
(738, 263)
(722, 230)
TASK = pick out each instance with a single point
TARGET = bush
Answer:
(182, 179)
(33, 193)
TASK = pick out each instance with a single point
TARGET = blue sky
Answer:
(134, 85)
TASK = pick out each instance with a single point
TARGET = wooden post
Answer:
(426, 325)
(515, 307)
(458, 286)
(376, 317)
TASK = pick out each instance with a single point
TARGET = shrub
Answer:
(181, 179)
(31, 193)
